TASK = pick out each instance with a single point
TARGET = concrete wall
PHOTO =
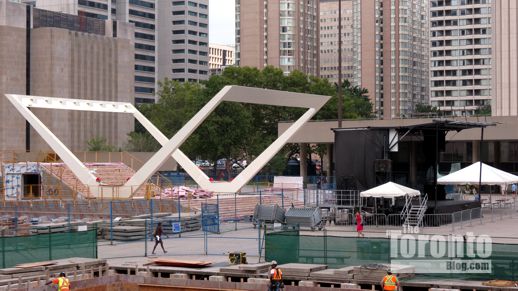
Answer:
(505, 58)
(76, 65)
(12, 80)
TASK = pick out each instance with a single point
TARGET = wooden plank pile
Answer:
(125, 233)
(36, 274)
(300, 271)
(248, 269)
(189, 222)
(49, 228)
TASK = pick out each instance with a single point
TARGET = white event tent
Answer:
(470, 175)
(390, 190)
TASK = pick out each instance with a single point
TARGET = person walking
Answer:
(359, 224)
(275, 277)
(62, 282)
(158, 238)
(390, 282)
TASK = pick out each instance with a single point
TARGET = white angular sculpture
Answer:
(170, 146)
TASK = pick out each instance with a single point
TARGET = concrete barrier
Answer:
(179, 276)
(261, 281)
(307, 284)
(217, 278)
(349, 286)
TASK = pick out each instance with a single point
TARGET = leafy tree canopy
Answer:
(237, 130)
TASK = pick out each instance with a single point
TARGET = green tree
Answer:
(236, 131)
(356, 103)
(99, 144)
(426, 108)
(484, 110)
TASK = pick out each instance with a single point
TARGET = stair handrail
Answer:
(406, 208)
(422, 209)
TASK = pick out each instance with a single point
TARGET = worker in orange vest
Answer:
(390, 282)
(62, 282)
(275, 277)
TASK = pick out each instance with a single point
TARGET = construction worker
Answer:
(390, 282)
(275, 277)
(62, 282)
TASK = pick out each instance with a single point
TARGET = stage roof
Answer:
(440, 124)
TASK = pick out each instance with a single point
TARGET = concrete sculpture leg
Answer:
(170, 146)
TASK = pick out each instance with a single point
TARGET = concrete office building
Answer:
(505, 58)
(67, 56)
(460, 58)
(329, 40)
(391, 47)
(183, 30)
(220, 57)
(282, 34)
(142, 13)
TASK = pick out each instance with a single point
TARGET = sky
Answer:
(222, 21)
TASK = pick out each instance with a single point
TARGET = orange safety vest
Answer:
(63, 284)
(277, 275)
(389, 282)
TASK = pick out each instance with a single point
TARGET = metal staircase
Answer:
(414, 211)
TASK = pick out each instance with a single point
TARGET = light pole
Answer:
(339, 93)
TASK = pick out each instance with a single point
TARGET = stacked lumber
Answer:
(34, 274)
(300, 271)
(125, 233)
(249, 269)
(135, 227)
(49, 228)
(189, 222)
(328, 275)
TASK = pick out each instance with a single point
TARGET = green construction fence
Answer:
(44, 247)
(337, 252)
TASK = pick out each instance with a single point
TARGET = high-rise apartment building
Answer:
(460, 58)
(53, 54)
(505, 58)
(329, 39)
(280, 33)
(183, 50)
(142, 13)
(220, 57)
(391, 47)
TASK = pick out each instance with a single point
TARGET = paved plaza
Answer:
(501, 226)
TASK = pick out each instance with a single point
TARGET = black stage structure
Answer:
(408, 155)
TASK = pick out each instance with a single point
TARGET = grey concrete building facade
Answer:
(183, 33)
(280, 33)
(59, 55)
(460, 56)
(391, 47)
(329, 40)
(143, 14)
(505, 58)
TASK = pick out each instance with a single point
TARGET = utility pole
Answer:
(339, 93)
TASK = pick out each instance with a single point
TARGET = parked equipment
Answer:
(268, 214)
(305, 217)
